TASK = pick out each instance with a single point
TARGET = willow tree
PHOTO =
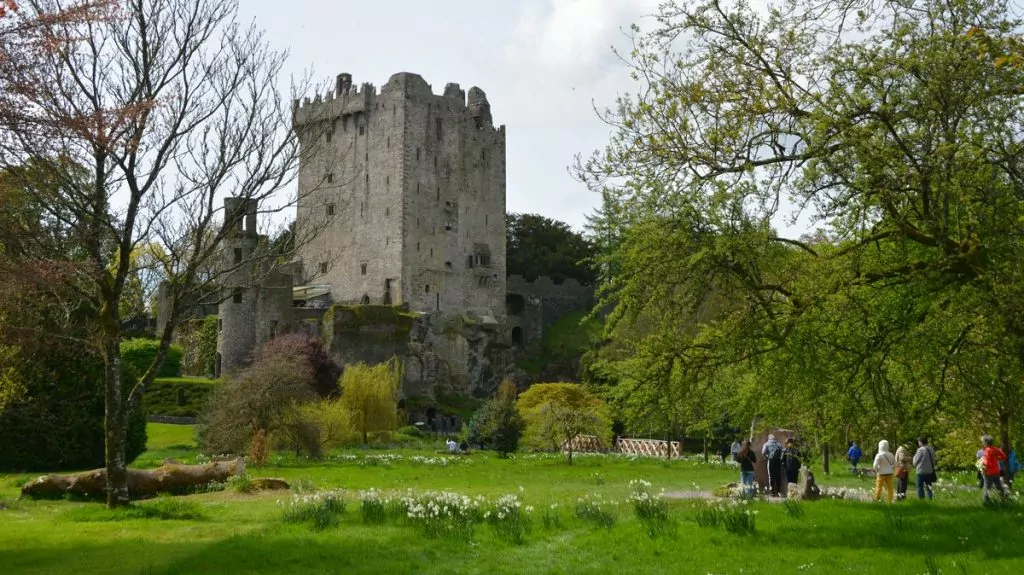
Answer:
(369, 394)
(171, 105)
(879, 124)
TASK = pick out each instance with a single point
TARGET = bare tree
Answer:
(170, 106)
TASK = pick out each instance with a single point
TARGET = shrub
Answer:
(257, 399)
(178, 397)
(498, 424)
(138, 355)
(57, 423)
(555, 413)
(199, 346)
(324, 370)
(315, 427)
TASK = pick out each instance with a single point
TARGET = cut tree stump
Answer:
(171, 477)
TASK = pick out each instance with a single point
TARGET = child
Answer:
(854, 456)
(992, 455)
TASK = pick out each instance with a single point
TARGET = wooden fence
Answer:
(641, 447)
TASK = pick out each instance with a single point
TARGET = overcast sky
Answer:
(542, 64)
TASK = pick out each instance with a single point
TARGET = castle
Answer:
(401, 216)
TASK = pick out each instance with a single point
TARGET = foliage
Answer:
(555, 413)
(901, 312)
(140, 354)
(325, 370)
(179, 396)
(370, 396)
(57, 423)
(198, 340)
(498, 424)
(540, 246)
(315, 427)
(258, 399)
(320, 510)
(564, 344)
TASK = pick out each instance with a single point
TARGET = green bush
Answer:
(178, 397)
(58, 425)
(138, 355)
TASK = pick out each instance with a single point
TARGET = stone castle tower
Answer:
(404, 195)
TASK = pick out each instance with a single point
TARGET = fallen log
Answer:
(171, 477)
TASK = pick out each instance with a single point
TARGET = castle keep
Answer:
(401, 226)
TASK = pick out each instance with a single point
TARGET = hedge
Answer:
(178, 396)
(138, 355)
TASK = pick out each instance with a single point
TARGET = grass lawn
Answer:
(230, 532)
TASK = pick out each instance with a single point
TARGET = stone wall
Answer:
(545, 302)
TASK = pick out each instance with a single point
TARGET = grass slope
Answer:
(227, 532)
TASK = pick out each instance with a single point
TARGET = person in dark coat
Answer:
(791, 461)
(772, 452)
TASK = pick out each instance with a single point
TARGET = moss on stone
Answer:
(355, 317)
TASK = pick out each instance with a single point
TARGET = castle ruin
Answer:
(402, 194)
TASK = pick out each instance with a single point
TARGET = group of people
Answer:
(782, 461)
(888, 466)
(994, 465)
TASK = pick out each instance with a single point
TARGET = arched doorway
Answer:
(517, 335)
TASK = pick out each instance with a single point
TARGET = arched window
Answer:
(365, 300)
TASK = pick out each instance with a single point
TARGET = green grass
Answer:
(228, 532)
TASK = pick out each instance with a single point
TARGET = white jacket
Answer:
(885, 461)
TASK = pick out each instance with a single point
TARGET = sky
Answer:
(544, 65)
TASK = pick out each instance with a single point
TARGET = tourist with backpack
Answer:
(1010, 467)
(885, 468)
(903, 463)
(924, 467)
(772, 452)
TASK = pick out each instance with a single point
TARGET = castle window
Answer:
(486, 219)
(220, 324)
(448, 226)
(330, 178)
(417, 154)
(236, 295)
(426, 288)
(448, 265)
(387, 241)
(238, 255)
(365, 300)
(483, 155)
(394, 110)
(387, 211)
(330, 209)
(344, 123)
(439, 125)
(417, 187)
(328, 137)
(323, 267)
(366, 156)
(367, 179)
(469, 262)
(387, 180)
(389, 143)
(417, 246)
(439, 193)
(362, 269)
(431, 252)
(433, 230)
(362, 130)
(435, 161)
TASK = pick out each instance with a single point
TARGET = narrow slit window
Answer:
(362, 269)
(330, 209)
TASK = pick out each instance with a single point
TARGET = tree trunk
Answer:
(115, 434)
(705, 449)
(171, 477)
(824, 458)
(1004, 430)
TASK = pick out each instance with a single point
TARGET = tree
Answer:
(370, 396)
(255, 404)
(539, 246)
(555, 413)
(498, 424)
(171, 105)
(887, 131)
(325, 371)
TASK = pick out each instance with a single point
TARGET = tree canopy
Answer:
(880, 125)
(540, 246)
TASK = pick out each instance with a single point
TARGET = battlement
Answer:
(546, 286)
(347, 99)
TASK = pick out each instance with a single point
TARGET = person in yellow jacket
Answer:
(885, 467)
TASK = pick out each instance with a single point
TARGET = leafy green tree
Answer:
(555, 413)
(540, 246)
(370, 396)
(498, 424)
(900, 144)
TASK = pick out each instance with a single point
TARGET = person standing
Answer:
(854, 454)
(772, 452)
(791, 461)
(991, 455)
(903, 462)
(1010, 467)
(746, 458)
(885, 467)
(735, 449)
(924, 467)
(980, 457)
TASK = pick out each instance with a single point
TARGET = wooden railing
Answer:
(641, 447)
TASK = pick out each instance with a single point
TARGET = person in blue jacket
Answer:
(1010, 467)
(854, 454)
